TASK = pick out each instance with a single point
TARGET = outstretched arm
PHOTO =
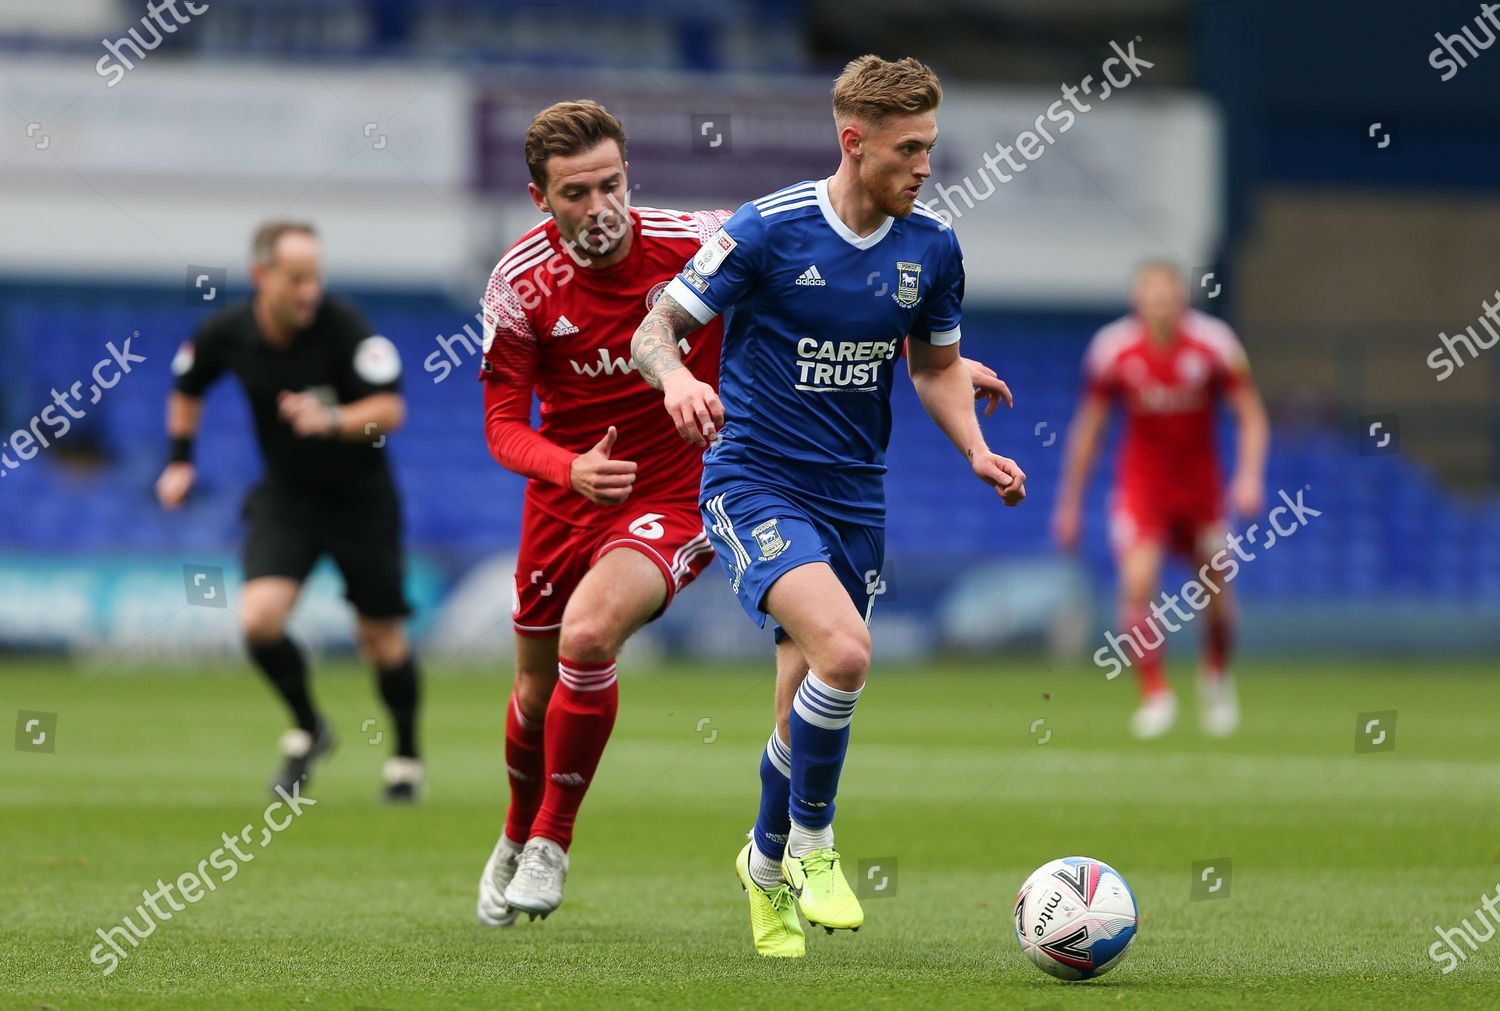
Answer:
(988, 386)
(1084, 436)
(183, 416)
(943, 384)
(693, 405)
(1247, 490)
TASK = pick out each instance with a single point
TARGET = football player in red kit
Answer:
(611, 530)
(1169, 367)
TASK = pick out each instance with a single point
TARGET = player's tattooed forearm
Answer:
(655, 350)
(654, 346)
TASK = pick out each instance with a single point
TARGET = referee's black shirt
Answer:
(336, 358)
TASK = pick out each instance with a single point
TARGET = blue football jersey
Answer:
(815, 317)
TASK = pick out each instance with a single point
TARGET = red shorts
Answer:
(555, 555)
(1184, 529)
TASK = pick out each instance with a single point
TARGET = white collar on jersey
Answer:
(843, 230)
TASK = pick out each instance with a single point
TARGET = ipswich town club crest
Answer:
(908, 282)
(768, 539)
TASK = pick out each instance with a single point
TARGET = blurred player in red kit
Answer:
(1169, 367)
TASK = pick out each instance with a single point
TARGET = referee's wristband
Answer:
(182, 449)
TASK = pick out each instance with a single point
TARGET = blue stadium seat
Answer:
(1388, 530)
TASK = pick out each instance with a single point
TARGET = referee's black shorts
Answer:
(288, 529)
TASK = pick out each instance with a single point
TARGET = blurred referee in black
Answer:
(324, 391)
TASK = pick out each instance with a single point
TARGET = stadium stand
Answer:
(1391, 529)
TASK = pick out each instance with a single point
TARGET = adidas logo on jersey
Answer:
(811, 276)
(563, 327)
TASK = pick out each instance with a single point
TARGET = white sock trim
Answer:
(521, 719)
(587, 681)
(838, 694)
(822, 706)
(802, 841)
(764, 871)
(780, 754)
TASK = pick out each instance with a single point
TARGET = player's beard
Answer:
(596, 245)
(888, 195)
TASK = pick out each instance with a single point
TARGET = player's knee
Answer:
(390, 650)
(845, 661)
(533, 691)
(382, 643)
(784, 725)
(1135, 593)
(263, 626)
(591, 639)
(1220, 607)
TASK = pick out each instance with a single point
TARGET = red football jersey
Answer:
(1168, 393)
(563, 330)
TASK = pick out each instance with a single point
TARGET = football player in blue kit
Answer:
(821, 284)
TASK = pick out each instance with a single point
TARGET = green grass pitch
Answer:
(1342, 863)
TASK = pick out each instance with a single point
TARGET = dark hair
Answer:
(568, 128)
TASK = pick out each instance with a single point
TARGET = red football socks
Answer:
(526, 764)
(1150, 637)
(579, 720)
(1219, 641)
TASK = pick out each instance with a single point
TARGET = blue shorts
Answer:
(760, 534)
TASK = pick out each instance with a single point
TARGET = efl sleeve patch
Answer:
(376, 361)
(490, 322)
(713, 253)
(182, 361)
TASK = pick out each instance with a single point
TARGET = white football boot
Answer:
(404, 778)
(498, 872)
(1218, 704)
(1155, 716)
(537, 887)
